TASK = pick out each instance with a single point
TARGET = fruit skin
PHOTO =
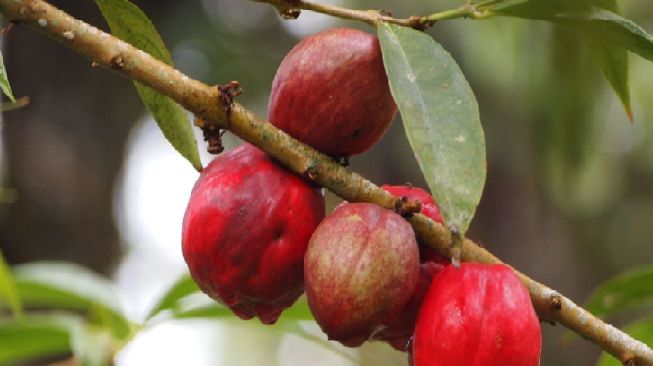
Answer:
(245, 232)
(478, 315)
(332, 93)
(400, 330)
(361, 267)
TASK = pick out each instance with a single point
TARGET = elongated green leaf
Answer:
(92, 345)
(180, 289)
(206, 311)
(25, 341)
(613, 61)
(130, 24)
(441, 118)
(625, 290)
(641, 330)
(4, 80)
(608, 35)
(598, 20)
(71, 287)
(298, 312)
(613, 28)
(8, 290)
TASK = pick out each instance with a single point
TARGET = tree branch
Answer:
(105, 50)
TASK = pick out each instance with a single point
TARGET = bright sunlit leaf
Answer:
(31, 340)
(180, 289)
(68, 286)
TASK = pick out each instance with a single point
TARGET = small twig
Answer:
(205, 102)
(373, 17)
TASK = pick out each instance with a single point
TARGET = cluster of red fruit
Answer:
(255, 236)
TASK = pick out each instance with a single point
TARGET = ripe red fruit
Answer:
(361, 267)
(400, 330)
(332, 93)
(478, 315)
(245, 232)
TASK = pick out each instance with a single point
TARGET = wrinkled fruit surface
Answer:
(245, 232)
(478, 315)
(361, 267)
(400, 330)
(332, 93)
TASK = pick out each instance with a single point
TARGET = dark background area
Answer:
(569, 192)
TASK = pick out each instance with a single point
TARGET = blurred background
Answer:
(87, 176)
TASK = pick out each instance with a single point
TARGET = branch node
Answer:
(212, 135)
(227, 94)
(289, 14)
(342, 160)
(311, 173)
(420, 23)
(407, 208)
(117, 63)
(556, 302)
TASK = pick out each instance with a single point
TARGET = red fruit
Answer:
(332, 93)
(245, 232)
(478, 315)
(361, 268)
(400, 330)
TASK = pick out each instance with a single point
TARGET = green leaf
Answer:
(4, 81)
(8, 290)
(206, 311)
(613, 61)
(17, 104)
(91, 345)
(603, 23)
(71, 287)
(130, 24)
(298, 312)
(641, 330)
(623, 291)
(608, 34)
(25, 341)
(180, 289)
(441, 119)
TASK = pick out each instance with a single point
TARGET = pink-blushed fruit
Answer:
(361, 267)
(245, 232)
(399, 330)
(332, 93)
(477, 315)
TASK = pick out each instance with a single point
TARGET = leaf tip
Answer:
(629, 113)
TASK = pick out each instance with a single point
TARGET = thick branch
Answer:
(111, 53)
